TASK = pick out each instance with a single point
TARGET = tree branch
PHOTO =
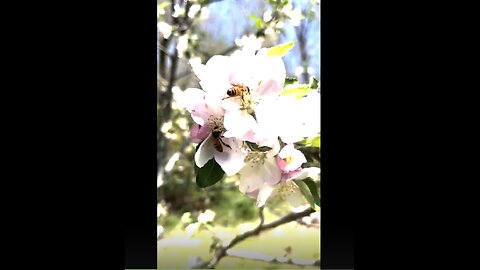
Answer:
(222, 252)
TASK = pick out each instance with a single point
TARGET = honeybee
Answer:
(242, 91)
(238, 90)
(217, 141)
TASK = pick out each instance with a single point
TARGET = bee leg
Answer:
(226, 144)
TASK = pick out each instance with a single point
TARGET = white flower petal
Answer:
(231, 159)
(272, 67)
(238, 123)
(190, 98)
(264, 194)
(312, 172)
(205, 152)
(271, 171)
(198, 68)
(249, 181)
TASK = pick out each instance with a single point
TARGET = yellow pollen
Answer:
(288, 159)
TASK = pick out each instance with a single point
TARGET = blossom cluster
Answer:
(246, 124)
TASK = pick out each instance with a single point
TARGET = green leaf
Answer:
(209, 174)
(305, 190)
(311, 142)
(313, 83)
(257, 20)
(290, 80)
(299, 90)
(315, 142)
(312, 186)
(280, 50)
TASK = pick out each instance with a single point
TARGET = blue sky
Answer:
(229, 19)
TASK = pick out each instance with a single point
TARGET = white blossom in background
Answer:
(165, 29)
(171, 162)
(250, 42)
(186, 217)
(178, 11)
(160, 181)
(182, 45)
(295, 16)
(192, 229)
(270, 33)
(206, 216)
(161, 211)
(194, 9)
(160, 11)
(287, 8)
(267, 16)
(160, 230)
(204, 13)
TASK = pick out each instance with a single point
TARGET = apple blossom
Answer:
(259, 177)
(206, 216)
(290, 159)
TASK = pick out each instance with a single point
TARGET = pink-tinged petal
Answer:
(264, 194)
(290, 159)
(291, 175)
(271, 172)
(282, 164)
(253, 194)
(200, 114)
(199, 133)
(205, 152)
(270, 88)
(232, 158)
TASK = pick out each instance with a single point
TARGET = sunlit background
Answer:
(192, 220)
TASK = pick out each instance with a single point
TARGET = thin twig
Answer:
(261, 227)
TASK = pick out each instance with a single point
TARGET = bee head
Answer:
(216, 133)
